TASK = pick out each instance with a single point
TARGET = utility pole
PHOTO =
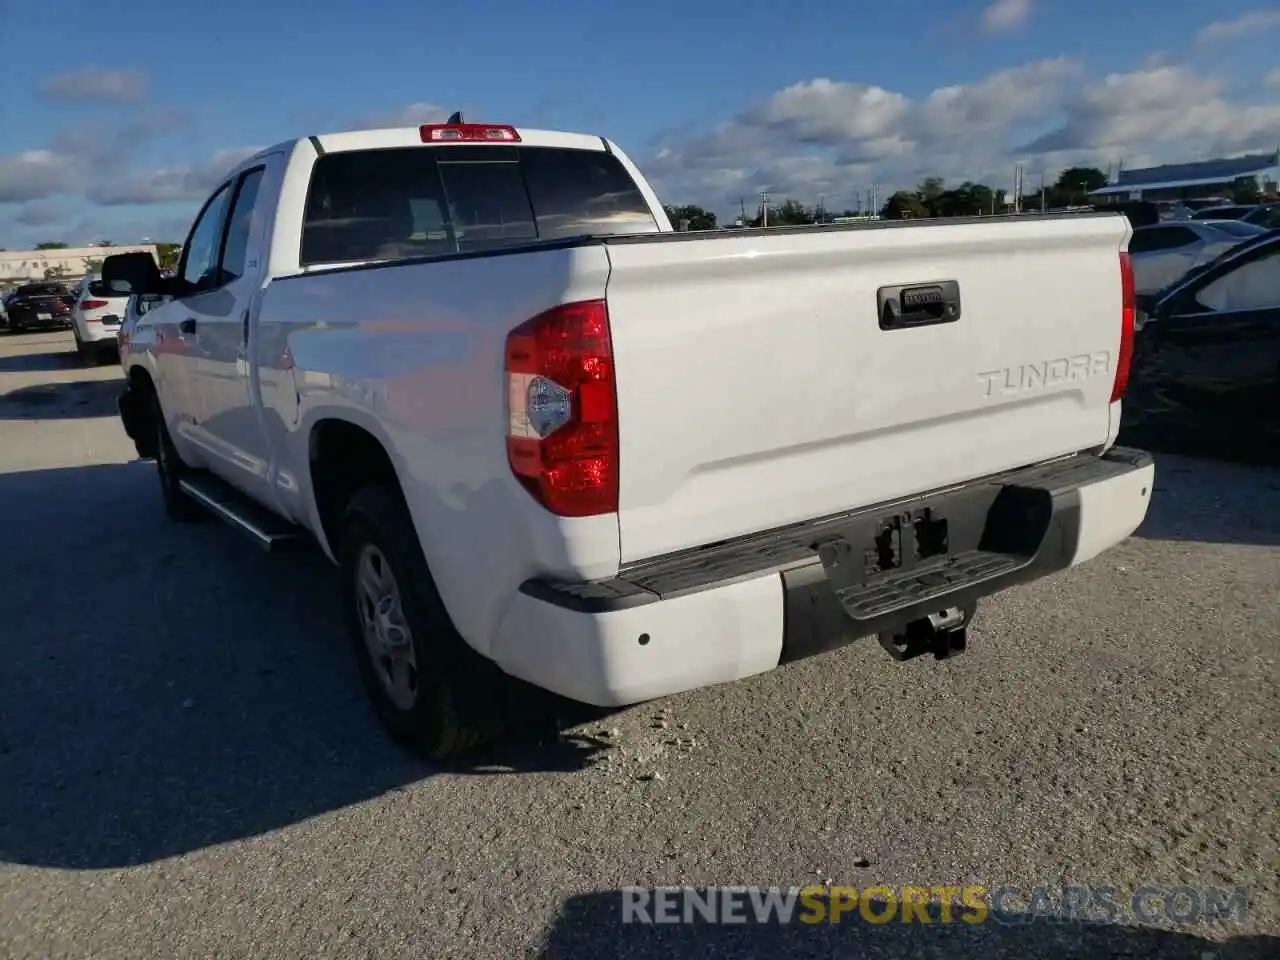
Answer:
(1017, 189)
(1042, 191)
(764, 209)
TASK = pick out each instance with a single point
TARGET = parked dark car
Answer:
(1205, 377)
(1265, 215)
(1231, 211)
(40, 306)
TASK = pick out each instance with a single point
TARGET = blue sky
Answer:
(715, 98)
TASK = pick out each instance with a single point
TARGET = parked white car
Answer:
(95, 319)
(1163, 252)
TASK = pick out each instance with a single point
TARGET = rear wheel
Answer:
(430, 689)
(171, 470)
(88, 353)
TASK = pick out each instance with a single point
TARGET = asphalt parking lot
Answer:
(188, 767)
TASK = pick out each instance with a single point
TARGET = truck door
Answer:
(174, 322)
(231, 430)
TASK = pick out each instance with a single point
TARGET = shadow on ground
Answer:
(591, 926)
(65, 400)
(40, 362)
(166, 687)
(1213, 502)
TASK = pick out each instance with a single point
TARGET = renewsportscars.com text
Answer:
(938, 903)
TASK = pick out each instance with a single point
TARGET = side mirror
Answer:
(132, 273)
(1145, 304)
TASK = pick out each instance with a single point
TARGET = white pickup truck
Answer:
(544, 435)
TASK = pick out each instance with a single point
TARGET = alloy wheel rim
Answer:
(386, 632)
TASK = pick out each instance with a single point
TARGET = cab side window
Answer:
(235, 251)
(200, 258)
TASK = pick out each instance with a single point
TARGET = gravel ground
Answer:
(188, 767)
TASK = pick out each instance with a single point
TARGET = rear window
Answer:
(99, 289)
(415, 202)
(1221, 213)
(1151, 239)
(42, 290)
(1237, 228)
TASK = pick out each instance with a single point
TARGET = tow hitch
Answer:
(943, 634)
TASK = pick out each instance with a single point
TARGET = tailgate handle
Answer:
(918, 304)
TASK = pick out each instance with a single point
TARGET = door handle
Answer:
(918, 304)
(188, 325)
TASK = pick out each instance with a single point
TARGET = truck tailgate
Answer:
(757, 387)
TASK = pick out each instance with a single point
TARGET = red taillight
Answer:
(1125, 358)
(562, 416)
(484, 132)
(93, 304)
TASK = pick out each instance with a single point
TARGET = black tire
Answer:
(170, 469)
(88, 353)
(458, 703)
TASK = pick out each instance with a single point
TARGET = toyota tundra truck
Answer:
(544, 435)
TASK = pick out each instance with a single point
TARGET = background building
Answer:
(1205, 180)
(63, 263)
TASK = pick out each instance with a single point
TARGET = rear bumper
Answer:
(97, 332)
(29, 321)
(736, 609)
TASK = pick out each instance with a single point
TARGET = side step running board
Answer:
(260, 525)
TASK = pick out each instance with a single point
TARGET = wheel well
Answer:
(345, 458)
(139, 379)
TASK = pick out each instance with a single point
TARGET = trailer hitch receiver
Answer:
(944, 634)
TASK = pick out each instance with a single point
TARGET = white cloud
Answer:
(413, 115)
(840, 138)
(188, 182)
(1005, 15)
(1249, 23)
(40, 213)
(104, 148)
(1164, 105)
(94, 85)
(36, 174)
(84, 154)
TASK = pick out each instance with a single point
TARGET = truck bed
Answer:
(755, 385)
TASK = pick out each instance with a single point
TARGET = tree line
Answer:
(931, 198)
(168, 254)
(934, 198)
